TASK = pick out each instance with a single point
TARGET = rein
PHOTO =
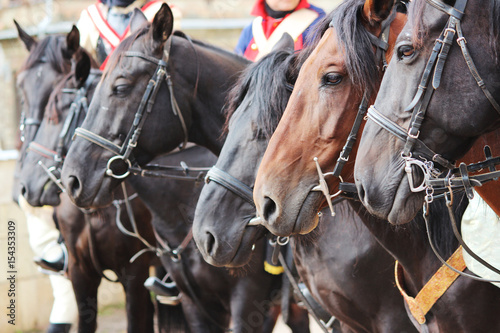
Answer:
(124, 152)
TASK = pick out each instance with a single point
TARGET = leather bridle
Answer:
(415, 152)
(77, 112)
(124, 152)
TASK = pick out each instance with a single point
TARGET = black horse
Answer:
(47, 63)
(188, 106)
(94, 244)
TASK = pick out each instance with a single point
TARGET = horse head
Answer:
(430, 109)
(339, 72)
(48, 61)
(255, 105)
(64, 112)
(158, 91)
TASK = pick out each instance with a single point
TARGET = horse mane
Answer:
(126, 44)
(49, 49)
(268, 78)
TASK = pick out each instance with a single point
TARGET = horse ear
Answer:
(376, 11)
(73, 41)
(285, 43)
(138, 19)
(82, 69)
(28, 41)
(163, 24)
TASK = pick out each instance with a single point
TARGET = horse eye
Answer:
(120, 89)
(405, 51)
(332, 79)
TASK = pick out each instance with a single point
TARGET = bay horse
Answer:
(341, 262)
(345, 65)
(94, 244)
(203, 73)
(409, 244)
(452, 114)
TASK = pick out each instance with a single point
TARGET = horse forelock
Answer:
(354, 42)
(266, 81)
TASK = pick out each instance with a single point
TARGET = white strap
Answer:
(102, 26)
(294, 24)
(151, 8)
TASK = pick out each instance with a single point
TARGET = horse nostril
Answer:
(269, 208)
(361, 193)
(24, 192)
(210, 243)
(73, 186)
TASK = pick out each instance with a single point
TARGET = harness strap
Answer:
(93, 256)
(434, 288)
(299, 293)
(351, 139)
(401, 134)
(41, 150)
(229, 182)
(473, 69)
(97, 139)
(456, 12)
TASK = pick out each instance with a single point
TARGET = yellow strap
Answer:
(433, 289)
(274, 270)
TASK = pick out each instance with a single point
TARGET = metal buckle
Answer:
(109, 171)
(323, 186)
(427, 168)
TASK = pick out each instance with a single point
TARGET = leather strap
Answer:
(232, 184)
(434, 288)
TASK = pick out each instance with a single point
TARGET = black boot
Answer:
(59, 328)
(58, 265)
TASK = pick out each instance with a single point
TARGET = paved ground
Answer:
(112, 320)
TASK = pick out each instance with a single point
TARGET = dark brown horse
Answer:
(94, 243)
(287, 174)
(452, 114)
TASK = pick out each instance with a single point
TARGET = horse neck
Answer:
(408, 244)
(167, 218)
(217, 72)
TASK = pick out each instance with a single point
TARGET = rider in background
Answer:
(273, 18)
(104, 24)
